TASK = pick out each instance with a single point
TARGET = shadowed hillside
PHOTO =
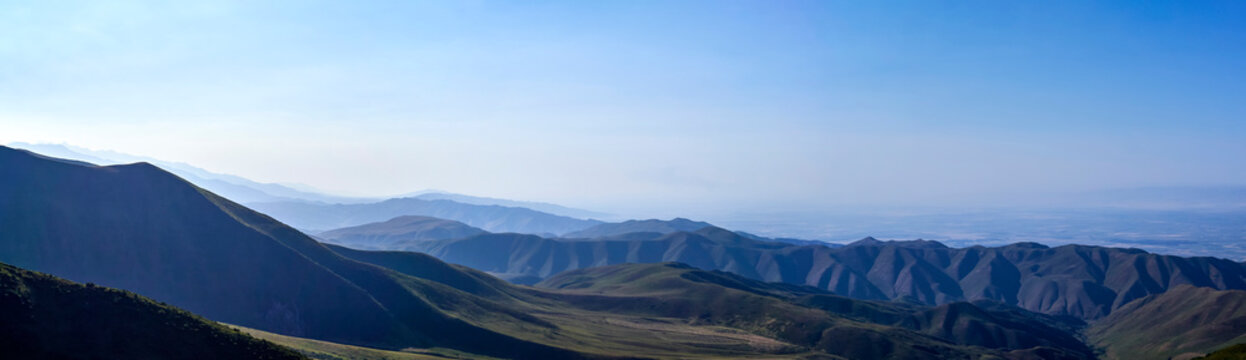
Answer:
(49, 318)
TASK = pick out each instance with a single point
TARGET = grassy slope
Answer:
(1184, 322)
(317, 349)
(787, 313)
(1235, 352)
(47, 317)
(583, 329)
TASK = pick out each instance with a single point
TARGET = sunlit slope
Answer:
(807, 316)
(1184, 321)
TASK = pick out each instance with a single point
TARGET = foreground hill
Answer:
(322, 216)
(49, 318)
(139, 228)
(1086, 282)
(399, 232)
(1184, 322)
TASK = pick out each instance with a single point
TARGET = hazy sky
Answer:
(649, 106)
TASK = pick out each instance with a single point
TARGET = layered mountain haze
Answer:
(494, 218)
(139, 228)
(636, 289)
(251, 192)
(538, 206)
(143, 229)
(232, 187)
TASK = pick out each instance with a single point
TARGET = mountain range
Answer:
(727, 294)
(495, 218)
(139, 228)
(247, 191)
(1086, 282)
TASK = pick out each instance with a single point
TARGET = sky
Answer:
(656, 107)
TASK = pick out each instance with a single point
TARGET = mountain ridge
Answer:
(394, 233)
(1087, 282)
(493, 218)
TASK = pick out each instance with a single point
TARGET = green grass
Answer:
(724, 315)
(1235, 352)
(325, 350)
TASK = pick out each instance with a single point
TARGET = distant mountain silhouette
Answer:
(231, 187)
(44, 317)
(638, 226)
(494, 218)
(396, 233)
(1182, 322)
(538, 206)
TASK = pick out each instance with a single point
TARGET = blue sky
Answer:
(661, 107)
